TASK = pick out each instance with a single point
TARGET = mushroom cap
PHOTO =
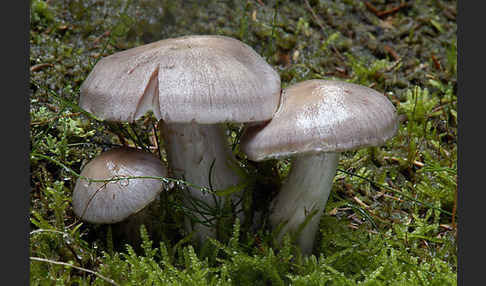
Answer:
(113, 201)
(322, 116)
(205, 79)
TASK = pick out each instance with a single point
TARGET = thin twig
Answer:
(105, 34)
(454, 209)
(394, 65)
(392, 197)
(372, 8)
(380, 14)
(111, 281)
(338, 54)
(156, 139)
(37, 67)
(360, 202)
(436, 62)
(392, 10)
(314, 15)
(392, 52)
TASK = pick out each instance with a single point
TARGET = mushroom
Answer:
(316, 120)
(192, 84)
(120, 200)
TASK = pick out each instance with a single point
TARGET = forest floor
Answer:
(391, 217)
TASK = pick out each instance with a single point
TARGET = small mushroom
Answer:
(193, 84)
(119, 200)
(316, 120)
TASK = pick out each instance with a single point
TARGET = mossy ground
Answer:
(390, 219)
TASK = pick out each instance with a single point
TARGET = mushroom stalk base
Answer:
(191, 150)
(128, 230)
(305, 191)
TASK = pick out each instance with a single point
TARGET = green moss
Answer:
(41, 13)
(389, 220)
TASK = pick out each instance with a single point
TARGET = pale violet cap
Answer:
(114, 201)
(322, 116)
(201, 79)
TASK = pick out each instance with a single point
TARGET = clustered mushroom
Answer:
(104, 194)
(316, 120)
(194, 84)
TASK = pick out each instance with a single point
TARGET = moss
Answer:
(389, 220)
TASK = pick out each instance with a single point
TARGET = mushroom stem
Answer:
(305, 191)
(128, 230)
(192, 149)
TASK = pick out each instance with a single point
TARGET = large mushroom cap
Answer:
(111, 202)
(205, 79)
(323, 116)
